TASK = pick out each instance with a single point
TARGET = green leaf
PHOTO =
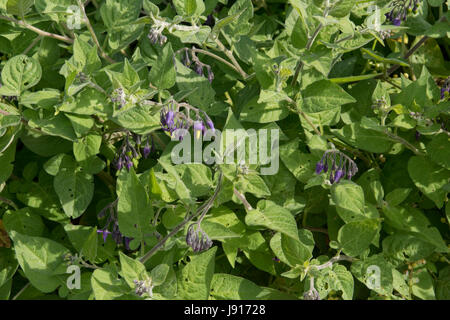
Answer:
(188, 80)
(87, 147)
(324, 95)
(299, 36)
(423, 286)
(194, 279)
(349, 200)
(290, 251)
(362, 138)
(301, 165)
(274, 217)
(74, 188)
(19, 7)
(429, 178)
(134, 209)
(340, 279)
(24, 221)
(406, 247)
(41, 259)
(397, 196)
(159, 274)
(162, 75)
(342, 8)
(107, 286)
(439, 150)
(19, 74)
(8, 265)
(414, 221)
(356, 236)
(132, 269)
(90, 246)
(376, 273)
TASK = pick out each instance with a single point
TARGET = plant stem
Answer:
(9, 202)
(37, 30)
(35, 41)
(230, 56)
(404, 142)
(92, 32)
(241, 197)
(216, 57)
(330, 262)
(309, 44)
(407, 55)
(300, 112)
(21, 291)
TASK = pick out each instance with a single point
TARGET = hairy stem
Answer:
(241, 197)
(216, 57)
(9, 202)
(92, 32)
(37, 30)
(230, 56)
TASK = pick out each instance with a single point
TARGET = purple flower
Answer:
(128, 163)
(197, 239)
(146, 149)
(400, 9)
(339, 175)
(417, 135)
(210, 74)
(199, 69)
(319, 167)
(169, 118)
(210, 124)
(104, 233)
(198, 128)
(346, 167)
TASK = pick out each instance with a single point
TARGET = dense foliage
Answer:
(97, 96)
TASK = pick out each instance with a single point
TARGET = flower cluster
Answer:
(112, 218)
(190, 60)
(400, 9)
(197, 239)
(118, 96)
(311, 294)
(127, 151)
(445, 88)
(172, 118)
(143, 287)
(156, 36)
(341, 165)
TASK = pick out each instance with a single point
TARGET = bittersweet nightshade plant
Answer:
(327, 176)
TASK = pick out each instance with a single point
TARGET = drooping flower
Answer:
(400, 10)
(341, 166)
(156, 36)
(199, 69)
(146, 150)
(112, 219)
(177, 122)
(197, 239)
(199, 128)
